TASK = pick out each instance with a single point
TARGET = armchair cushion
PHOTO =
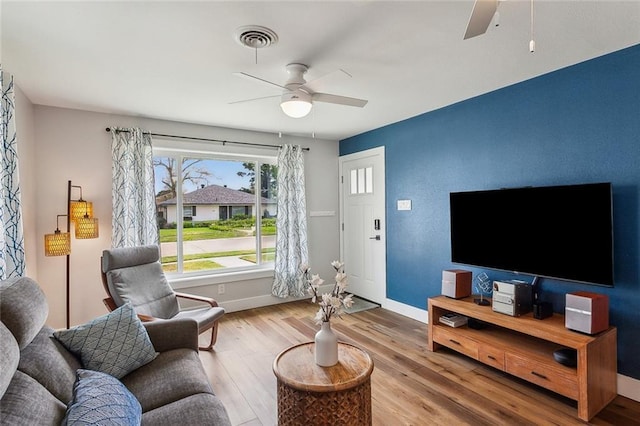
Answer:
(116, 343)
(99, 398)
(146, 287)
(135, 275)
(205, 317)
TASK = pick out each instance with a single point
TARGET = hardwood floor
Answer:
(409, 384)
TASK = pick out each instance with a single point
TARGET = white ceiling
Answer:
(175, 60)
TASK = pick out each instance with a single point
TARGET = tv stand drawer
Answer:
(457, 342)
(545, 375)
(492, 356)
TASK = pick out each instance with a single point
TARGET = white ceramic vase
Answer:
(326, 346)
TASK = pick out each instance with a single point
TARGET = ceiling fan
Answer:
(297, 97)
(481, 17)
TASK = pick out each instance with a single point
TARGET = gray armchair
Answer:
(134, 274)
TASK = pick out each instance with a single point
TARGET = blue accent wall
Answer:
(580, 124)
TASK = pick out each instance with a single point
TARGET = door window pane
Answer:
(360, 181)
(354, 181)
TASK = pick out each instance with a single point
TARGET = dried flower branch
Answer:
(332, 303)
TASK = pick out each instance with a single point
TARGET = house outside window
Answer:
(228, 212)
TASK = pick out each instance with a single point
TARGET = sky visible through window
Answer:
(222, 173)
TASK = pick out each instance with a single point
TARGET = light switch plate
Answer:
(404, 204)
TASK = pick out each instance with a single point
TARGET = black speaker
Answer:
(476, 324)
(542, 310)
(568, 357)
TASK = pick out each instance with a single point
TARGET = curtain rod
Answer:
(223, 142)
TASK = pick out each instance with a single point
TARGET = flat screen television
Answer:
(563, 232)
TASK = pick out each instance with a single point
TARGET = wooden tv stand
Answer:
(524, 346)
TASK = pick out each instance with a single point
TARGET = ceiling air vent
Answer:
(256, 37)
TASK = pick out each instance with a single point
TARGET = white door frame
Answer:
(379, 151)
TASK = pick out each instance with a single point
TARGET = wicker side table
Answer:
(312, 395)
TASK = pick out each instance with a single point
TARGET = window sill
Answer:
(221, 278)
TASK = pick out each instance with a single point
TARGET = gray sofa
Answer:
(37, 373)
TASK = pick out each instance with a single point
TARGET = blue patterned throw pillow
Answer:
(101, 399)
(116, 343)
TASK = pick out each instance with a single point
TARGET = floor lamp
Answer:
(80, 212)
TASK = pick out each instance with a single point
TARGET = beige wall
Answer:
(73, 145)
(25, 126)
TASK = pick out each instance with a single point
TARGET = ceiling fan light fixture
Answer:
(296, 104)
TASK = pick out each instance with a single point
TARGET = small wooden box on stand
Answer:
(456, 283)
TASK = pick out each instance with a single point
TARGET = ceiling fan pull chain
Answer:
(532, 43)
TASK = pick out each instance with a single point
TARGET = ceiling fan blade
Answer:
(254, 99)
(311, 83)
(481, 16)
(254, 78)
(340, 100)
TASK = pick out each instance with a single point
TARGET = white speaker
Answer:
(587, 312)
(456, 283)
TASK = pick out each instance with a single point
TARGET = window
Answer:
(361, 181)
(188, 212)
(228, 212)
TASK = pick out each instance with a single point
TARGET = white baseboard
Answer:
(255, 302)
(407, 310)
(266, 300)
(627, 386)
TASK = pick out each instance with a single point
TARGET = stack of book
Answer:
(453, 320)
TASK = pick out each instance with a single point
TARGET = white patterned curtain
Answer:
(291, 224)
(133, 193)
(12, 259)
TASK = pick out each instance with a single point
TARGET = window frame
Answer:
(181, 150)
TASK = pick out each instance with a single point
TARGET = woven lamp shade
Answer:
(79, 209)
(57, 244)
(86, 227)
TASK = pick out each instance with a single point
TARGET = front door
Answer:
(362, 211)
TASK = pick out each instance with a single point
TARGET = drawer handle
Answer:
(453, 341)
(491, 357)
(542, 376)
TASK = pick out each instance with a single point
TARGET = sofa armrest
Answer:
(173, 334)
